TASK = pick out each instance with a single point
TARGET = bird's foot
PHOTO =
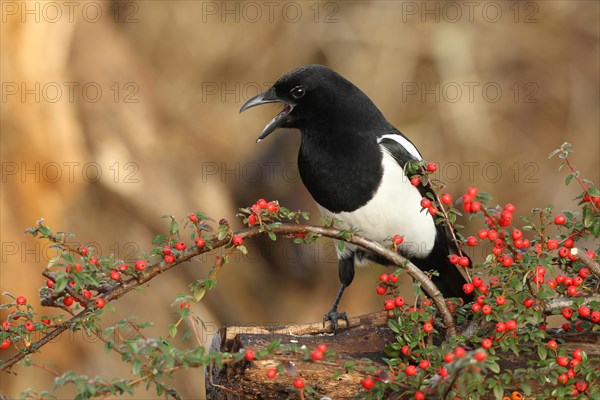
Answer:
(334, 316)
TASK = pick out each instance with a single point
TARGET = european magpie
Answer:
(352, 161)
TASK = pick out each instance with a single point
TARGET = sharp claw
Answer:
(334, 316)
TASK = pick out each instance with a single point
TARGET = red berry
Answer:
(180, 245)
(507, 261)
(87, 294)
(563, 252)
(261, 203)
(500, 300)
(446, 198)
(21, 300)
(237, 240)
(563, 379)
(475, 207)
(367, 383)
(424, 364)
(486, 343)
(560, 219)
(200, 242)
(381, 290)
(115, 275)
(272, 373)
(552, 284)
(299, 383)
(411, 370)
(482, 234)
(251, 220)
(584, 311)
(384, 277)
(463, 261)
(406, 350)
(572, 290)
(169, 258)
(249, 354)
(83, 250)
(425, 202)
(595, 316)
(68, 301)
(517, 234)
(394, 278)
(29, 326)
(471, 241)
(460, 352)
(578, 354)
(563, 361)
(49, 283)
(431, 167)
(583, 273)
(453, 258)
(419, 395)
(322, 348)
(528, 302)
(5, 325)
(468, 288)
(5, 344)
(141, 265)
(415, 181)
(500, 327)
(399, 301)
(511, 325)
(193, 217)
(122, 267)
(272, 207)
(477, 281)
(480, 355)
(100, 302)
(397, 239)
(427, 327)
(475, 307)
(581, 386)
(389, 304)
(552, 345)
(486, 309)
(449, 357)
(552, 244)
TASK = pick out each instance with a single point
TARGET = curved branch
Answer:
(285, 228)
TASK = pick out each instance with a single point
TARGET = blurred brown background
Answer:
(114, 113)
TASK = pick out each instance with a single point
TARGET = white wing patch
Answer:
(404, 143)
(394, 209)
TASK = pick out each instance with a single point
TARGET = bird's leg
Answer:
(346, 273)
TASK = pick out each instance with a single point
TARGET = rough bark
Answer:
(365, 338)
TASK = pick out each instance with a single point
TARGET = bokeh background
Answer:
(115, 113)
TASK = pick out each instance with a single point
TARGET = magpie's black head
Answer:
(318, 100)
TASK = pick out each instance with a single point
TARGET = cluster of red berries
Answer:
(317, 354)
(577, 358)
(423, 364)
(469, 201)
(258, 207)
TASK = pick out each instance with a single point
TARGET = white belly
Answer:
(395, 209)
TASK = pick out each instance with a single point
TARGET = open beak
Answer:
(269, 97)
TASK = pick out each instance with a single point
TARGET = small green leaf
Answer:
(136, 367)
(272, 236)
(172, 330)
(569, 179)
(159, 239)
(173, 227)
(498, 391)
(594, 192)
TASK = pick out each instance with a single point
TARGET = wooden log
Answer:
(365, 338)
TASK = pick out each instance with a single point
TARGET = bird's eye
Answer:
(297, 92)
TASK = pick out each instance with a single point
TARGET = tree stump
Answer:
(365, 338)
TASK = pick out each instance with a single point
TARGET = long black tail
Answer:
(449, 279)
